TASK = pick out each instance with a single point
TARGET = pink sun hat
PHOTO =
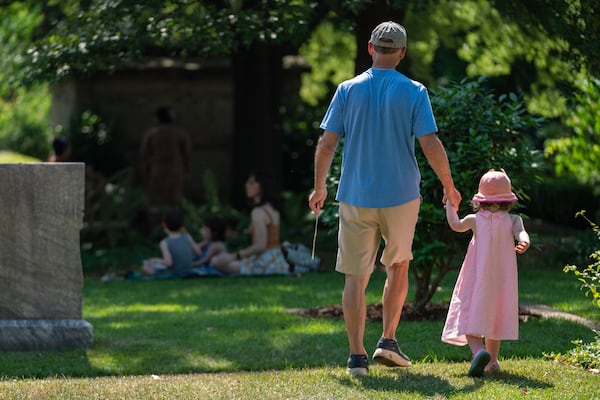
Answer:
(495, 187)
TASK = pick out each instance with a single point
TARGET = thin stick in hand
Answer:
(315, 237)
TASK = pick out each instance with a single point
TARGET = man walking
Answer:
(379, 113)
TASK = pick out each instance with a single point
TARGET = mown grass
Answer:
(234, 338)
(527, 378)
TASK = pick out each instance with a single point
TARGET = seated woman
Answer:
(263, 256)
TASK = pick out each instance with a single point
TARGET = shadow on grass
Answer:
(431, 385)
(518, 380)
(43, 364)
(406, 382)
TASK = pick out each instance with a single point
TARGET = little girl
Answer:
(213, 240)
(485, 299)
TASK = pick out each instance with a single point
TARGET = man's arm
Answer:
(323, 158)
(438, 160)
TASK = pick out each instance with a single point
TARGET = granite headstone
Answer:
(41, 277)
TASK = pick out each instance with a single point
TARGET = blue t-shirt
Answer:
(379, 113)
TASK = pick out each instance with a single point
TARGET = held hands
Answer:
(452, 197)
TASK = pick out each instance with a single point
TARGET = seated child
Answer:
(178, 250)
(213, 240)
(213, 243)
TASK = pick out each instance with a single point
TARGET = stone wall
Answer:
(201, 95)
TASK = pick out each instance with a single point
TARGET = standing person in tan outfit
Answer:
(165, 155)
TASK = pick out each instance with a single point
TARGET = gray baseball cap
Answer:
(389, 34)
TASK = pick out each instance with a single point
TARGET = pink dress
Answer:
(485, 297)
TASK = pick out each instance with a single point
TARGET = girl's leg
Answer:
(475, 343)
(493, 347)
(480, 356)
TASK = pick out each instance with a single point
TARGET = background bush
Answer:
(24, 122)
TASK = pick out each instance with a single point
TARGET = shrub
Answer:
(586, 355)
(590, 276)
(480, 130)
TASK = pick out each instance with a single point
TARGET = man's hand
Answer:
(453, 197)
(316, 200)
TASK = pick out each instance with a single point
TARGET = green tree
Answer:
(24, 113)
(538, 43)
(535, 45)
(578, 155)
(536, 48)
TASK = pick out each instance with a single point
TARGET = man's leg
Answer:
(397, 226)
(355, 310)
(358, 242)
(394, 295)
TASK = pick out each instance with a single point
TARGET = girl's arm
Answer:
(166, 259)
(457, 224)
(213, 249)
(259, 225)
(195, 247)
(521, 235)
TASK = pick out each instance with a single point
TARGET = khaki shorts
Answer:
(361, 230)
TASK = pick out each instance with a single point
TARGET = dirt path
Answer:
(544, 311)
(438, 311)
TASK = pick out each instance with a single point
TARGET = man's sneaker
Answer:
(358, 365)
(388, 353)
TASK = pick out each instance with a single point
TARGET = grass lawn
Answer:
(233, 338)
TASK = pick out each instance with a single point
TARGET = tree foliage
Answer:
(578, 155)
(534, 48)
(24, 113)
(572, 22)
(492, 36)
(79, 37)
(332, 54)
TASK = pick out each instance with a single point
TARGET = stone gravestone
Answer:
(41, 277)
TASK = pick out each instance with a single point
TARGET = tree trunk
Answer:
(257, 74)
(423, 289)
